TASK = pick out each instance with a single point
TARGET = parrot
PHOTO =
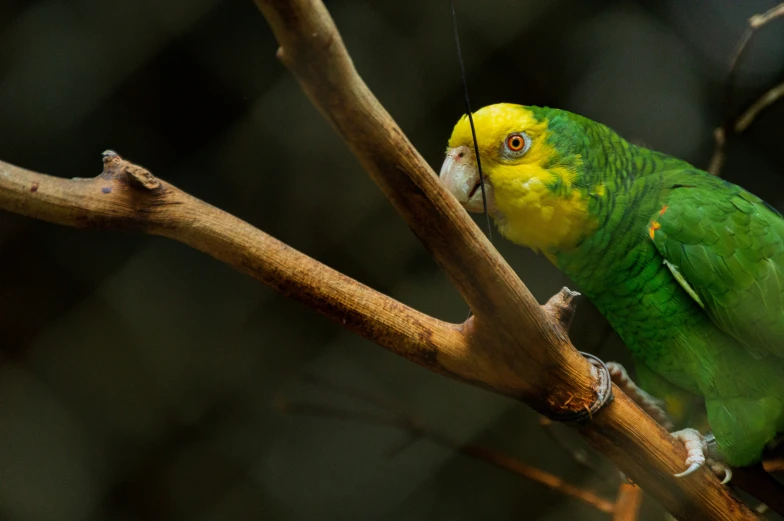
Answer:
(687, 268)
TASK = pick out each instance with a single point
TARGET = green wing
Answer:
(726, 248)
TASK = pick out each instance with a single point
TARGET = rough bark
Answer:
(511, 345)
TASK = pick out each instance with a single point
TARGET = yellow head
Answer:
(530, 185)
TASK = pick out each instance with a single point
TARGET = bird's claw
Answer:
(692, 468)
(696, 447)
(720, 469)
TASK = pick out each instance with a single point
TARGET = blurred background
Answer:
(142, 380)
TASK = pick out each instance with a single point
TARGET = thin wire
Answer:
(471, 120)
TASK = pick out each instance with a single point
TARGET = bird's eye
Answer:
(518, 143)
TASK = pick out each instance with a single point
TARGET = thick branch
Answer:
(509, 322)
(505, 310)
(127, 197)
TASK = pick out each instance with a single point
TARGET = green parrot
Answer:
(687, 268)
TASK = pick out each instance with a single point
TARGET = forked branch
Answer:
(733, 126)
(512, 345)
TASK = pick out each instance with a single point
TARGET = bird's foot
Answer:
(697, 449)
(651, 405)
(700, 449)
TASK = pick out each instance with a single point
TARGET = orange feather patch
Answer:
(655, 225)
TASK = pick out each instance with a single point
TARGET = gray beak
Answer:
(461, 178)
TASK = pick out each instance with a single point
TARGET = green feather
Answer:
(701, 304)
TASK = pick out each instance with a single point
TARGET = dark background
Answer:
(142, 380)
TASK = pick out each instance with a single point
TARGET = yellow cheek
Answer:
(532, 199)
(536, 217)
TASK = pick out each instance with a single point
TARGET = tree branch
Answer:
(750, 114)
(417, 431)
(505, 310)
(127, 197)
(512, 346)
(311, 47)
(739, 125)
(734, 126)
(627, 504)
(773, 465)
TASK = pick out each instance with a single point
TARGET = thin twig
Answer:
(416, 431)
(392, 414)
(773, 465)
(758, 20)
(552, 481)
(753, 480)
(719, 153)
(734, 126)
(740, 125)
(754, 23)
(750, 114)
(627, 503)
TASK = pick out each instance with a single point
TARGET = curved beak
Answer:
(461, 178)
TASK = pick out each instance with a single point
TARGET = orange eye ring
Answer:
(515, 142)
